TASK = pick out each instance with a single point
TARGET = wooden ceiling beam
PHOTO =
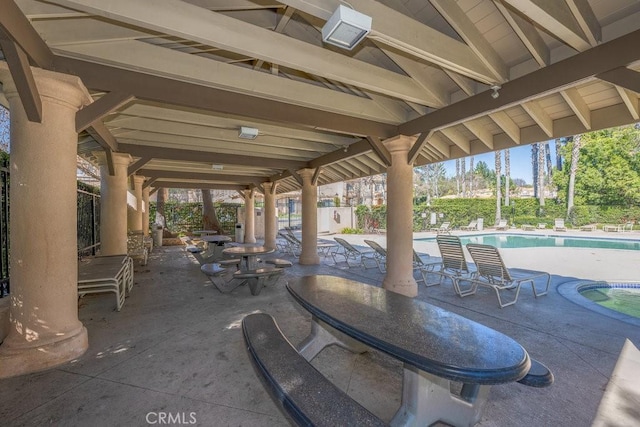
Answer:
(23, 78)
(18, 29)
(175, 92)
(100, 108)
(207, 157)
(584, 66)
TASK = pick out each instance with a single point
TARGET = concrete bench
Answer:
(314, 400)
(279, 263)
(226, 263)
(258, 278)
(194, 249)
(213, 269)
(215, 272)
(538, 376)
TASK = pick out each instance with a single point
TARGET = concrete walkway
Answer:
(176, 349)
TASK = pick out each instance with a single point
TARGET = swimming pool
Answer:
(621, 297)
(507, 241)
(616, 300)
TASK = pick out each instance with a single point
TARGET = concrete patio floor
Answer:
(176, 348)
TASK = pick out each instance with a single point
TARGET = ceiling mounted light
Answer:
(217, 167)
(495, 88)
(346, 28)
(248, 133)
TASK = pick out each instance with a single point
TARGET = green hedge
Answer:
(521, 211)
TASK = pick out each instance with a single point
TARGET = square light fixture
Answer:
(248, 133)
(346, 28)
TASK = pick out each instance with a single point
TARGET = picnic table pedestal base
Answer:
(323, 335)
(427, 399)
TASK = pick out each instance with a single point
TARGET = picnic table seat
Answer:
(194, 249)
(232, 262)
(314, 401)
(258, 278)
(279, 263)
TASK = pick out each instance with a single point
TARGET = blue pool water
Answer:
(501, 240)
(621, 297)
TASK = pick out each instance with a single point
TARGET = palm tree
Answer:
(498, 189)
(575, 154)
(507, 174)
(471, 176)
(558, 153)
(534, 167)
(541, 173)
(548, 160)
(463, 174)
(458, 177)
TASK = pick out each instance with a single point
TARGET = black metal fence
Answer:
(184, 217)
(88, 220)
(289, 212)
(88, 223)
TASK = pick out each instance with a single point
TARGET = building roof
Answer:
(174, 81)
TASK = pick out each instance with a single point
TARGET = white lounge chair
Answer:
(558, 225)
(453, 266)
(494, 274)
(380, 255)
(473, 225)
(502, 225)
(445, 227)
(349, 252)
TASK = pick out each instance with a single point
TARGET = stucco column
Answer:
(249, 216)
(399, 277)
(270, 218)
(145, 212)
(113, 204)
(134, 216)
(44, 329)
(309, 253)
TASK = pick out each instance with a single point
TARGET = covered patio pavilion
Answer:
(176, 347)
(158, 93)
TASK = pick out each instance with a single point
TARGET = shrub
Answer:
(348, 230)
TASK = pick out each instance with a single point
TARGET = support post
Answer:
(270, 217)
(399, 277)
(113, 204)
(44, 328)
(309, 254)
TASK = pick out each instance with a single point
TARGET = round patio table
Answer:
(249, 255)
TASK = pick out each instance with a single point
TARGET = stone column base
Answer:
(16, 361)
(407, 287)
(304, 259)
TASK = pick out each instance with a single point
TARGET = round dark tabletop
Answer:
(248, 250)
(420, 334)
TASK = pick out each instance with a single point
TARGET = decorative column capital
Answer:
(63, 89)
(399, 144)
(270, 188)
(306, 174)
(138, 180)
(118, 158)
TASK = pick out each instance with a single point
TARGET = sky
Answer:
(520, 162)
